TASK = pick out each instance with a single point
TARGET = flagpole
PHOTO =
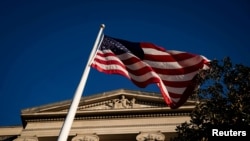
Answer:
(63, 136)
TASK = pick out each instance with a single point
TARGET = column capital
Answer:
(150, 136)
(85, 137)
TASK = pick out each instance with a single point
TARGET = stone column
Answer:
(20, 138)
(85, 138)
(150, 136)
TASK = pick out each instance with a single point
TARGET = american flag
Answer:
(145, 63)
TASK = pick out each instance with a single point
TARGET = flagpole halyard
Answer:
(63, 136)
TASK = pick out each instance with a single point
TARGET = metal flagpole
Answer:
(63, 136)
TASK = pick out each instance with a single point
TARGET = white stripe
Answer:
(172, 89)
(109, 58)
(165, 92)
(175, 65)
(174, 52)
(126, 56)
(162, 65)
(123, 56)
(139, 65)
(112, 67)
(152, 51)
(176, 90)
(144, 77)
(141, 78)
(173, 100)
(178, 78)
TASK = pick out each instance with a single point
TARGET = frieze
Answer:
(120, 103)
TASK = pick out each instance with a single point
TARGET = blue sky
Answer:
(44, 45)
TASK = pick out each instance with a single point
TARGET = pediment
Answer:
(117, 100)
(108, 105)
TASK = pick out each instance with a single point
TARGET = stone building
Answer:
(119, 115)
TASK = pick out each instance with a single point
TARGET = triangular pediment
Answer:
(113, 100)
(107, 104)
(117, 99)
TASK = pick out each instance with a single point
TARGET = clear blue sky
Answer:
(44, 45)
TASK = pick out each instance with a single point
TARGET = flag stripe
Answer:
(173, 71)
(173, 81)
(143, 79)
(140, 68)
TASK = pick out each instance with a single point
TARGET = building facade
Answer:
(119, 115)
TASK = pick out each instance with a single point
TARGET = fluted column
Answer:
(85, 138)
(150, 136)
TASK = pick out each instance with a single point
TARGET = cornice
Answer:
(110, 114)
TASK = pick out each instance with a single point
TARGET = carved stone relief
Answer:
(123, 102)
(150, 136)
(85, 138)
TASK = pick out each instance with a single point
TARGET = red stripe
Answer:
(109, 62)
(185, 70)
(173, 71)
(131, 61)
(177, 84)
(139, 73)
(116, 71)
(106, 54)
(168, 58)
(145, 83)
(145, 70)
(183, 98)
